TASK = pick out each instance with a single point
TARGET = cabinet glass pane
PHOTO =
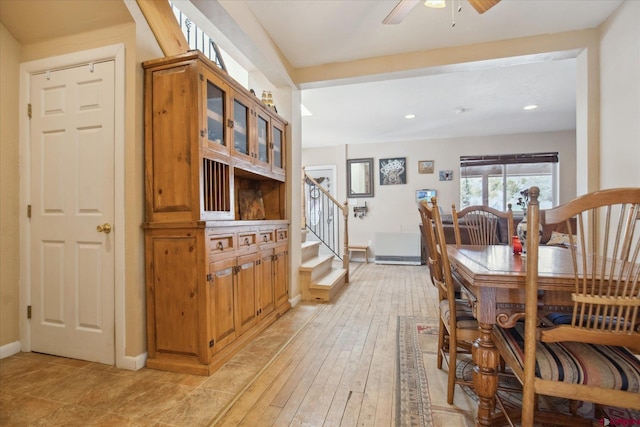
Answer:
(215, 114)
(263, 151)
(277, 147)
(240, 122)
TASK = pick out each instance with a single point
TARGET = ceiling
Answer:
(467, 101)
(31, 21)
(484, 98)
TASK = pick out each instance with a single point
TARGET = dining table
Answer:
(494, 277)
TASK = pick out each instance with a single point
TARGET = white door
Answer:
(72, 193)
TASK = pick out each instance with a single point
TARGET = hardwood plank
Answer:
(343, 353)
(342, 370)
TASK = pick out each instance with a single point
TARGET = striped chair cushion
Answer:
(463, 314)
(588, 321)
(577, 363)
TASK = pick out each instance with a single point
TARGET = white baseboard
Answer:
(10, 349)
(133, 363)
(295, 300)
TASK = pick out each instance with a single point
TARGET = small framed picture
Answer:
(446, 175)
(425, 166)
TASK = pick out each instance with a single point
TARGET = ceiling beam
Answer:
(164, 25)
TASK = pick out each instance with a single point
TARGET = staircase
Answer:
(320, 280)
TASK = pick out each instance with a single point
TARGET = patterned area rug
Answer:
(512, 400)
(413, 403)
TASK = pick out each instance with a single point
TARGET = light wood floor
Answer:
(319, 365)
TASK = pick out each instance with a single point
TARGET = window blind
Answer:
(508, 159)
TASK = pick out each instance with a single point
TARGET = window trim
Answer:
(503, 160)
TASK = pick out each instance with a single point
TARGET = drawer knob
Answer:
(220, 246)
(246, 241)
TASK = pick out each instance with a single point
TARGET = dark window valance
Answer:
(508, 159)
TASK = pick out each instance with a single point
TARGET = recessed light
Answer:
(530, 107)
(410, 116)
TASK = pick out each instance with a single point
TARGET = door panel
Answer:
(72, 193)
(223, 304)
(247, 298)
(266, 281)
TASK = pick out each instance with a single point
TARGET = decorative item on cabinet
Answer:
(267, 99)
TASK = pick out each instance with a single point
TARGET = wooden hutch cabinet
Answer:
(216, 232)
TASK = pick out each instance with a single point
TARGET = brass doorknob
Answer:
(104, 228)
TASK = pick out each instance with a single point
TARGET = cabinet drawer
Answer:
(282, 235)
(266, 236)
(247, 241)
(220, 244)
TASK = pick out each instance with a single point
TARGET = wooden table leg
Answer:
(485, 373)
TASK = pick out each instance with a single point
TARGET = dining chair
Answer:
(587, 353)
(458, 327)
(482, 224)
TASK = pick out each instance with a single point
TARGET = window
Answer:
(496, 181)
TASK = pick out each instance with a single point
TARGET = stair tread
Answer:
(310, 243)
(315, 261)
(330, 279)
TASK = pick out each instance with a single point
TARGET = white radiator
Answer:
(398, 248)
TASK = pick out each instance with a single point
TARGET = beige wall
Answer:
(393, 209)
(620, 98)
(139, 46)
(9, 188)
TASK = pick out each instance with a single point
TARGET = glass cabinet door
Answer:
(278, 146)
(263, 147)
(215, 115)
(240, 127)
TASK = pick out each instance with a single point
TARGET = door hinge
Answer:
(201, 77)
(230, 123)
(209, 277)
(28, 211)
(28, 312)
(29, 110)
(212, 343)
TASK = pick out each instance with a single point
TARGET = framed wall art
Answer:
(446, 175)
(393, 171)
(425, 166)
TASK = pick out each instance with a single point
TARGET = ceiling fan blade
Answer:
(399, 12)
(481, 6)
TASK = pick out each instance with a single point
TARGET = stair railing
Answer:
(320, 219)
